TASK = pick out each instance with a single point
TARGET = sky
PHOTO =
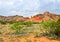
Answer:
(28, 8)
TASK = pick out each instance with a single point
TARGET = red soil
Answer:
(27, 39)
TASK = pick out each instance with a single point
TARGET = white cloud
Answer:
(36, 13)
(49, 1)
(28, 7)
(9, 3)
(32, 5)
(13, 11)
(21, 0)
(58, 0)
(0, 2)
(6, 3)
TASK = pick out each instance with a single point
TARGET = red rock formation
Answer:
(43, 17)
(36, 18)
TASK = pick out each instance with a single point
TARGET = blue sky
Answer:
(28, 7)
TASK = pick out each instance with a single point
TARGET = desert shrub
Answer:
(48, 25)
(52, 28)
(11, 22)
(57, 29)
(17, 27)
(28, 24)
(3, 22)
(37, 34)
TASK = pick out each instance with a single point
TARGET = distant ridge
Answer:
(36, 18)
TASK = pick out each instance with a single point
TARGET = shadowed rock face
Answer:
(36, 18)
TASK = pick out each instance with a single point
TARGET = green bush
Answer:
(52, 28)
(57, 29)
(11, 22)
(17, 27)
(48, 25)
(28, 24)
(3, 22)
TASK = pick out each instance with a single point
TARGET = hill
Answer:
(36, 18)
